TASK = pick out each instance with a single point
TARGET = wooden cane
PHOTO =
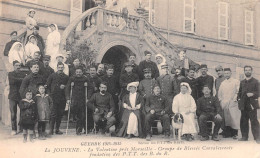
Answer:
(69, 108)
(86, 96)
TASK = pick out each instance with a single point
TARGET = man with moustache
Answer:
(77, 84)
(248, 104)
(56, 84)
(47, 70)
(15, 80)
(147, 63)
(100, 70)
(132, 58)
(104, 109)
(204, 79)
(36, 59)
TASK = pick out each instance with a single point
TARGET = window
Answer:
(249, 27)
(189, 16)
(223, 20)
(151, 12)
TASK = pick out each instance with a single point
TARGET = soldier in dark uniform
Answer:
(9, 45)
(104, 110)
(78, 83)
(127, 78)
(204, 79)
(146, 85)
(93, 87)
(132, 58)
(56, 84)
(192, 82)
(156, 107)
(47, 70)
(36, 59)
(32, 80)
(147, 63)
(15, 80)
(168, 84)
(112, 85)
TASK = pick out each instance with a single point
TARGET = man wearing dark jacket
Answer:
(204, 79)
(208, 109)
(248, 104)
(77, 84)
(9, 45)
(15, 80)
(147, 63)
(31, 81)
(157, 107)
(56, 84)
(47, 70)
(104, 108)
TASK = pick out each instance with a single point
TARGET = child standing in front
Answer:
(28, 115)
(44, 104)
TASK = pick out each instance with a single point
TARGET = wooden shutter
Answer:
(249, 29)
(151, 12)
(223, 20)
(189, 21)
(75, 11)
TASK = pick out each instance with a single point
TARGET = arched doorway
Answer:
(116, 55)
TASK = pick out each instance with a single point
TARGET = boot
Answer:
(58, 122)
(24, 138)
(31, 138)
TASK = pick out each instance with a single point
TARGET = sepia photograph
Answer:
(130, 78)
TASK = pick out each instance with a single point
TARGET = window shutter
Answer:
(188, 25)
(75, 10)
(249, 29)
(151, 12)
(223, 21)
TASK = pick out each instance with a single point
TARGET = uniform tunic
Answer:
(205, 80)
(157, 103)
(208, 106)
(46, 72)
(168, 86)
(146, 86)
(148, 64)
(126, 78)
(104, 103)
(15, 81)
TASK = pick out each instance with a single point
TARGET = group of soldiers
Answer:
(101, 92)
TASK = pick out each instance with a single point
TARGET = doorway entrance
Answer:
(116, 55)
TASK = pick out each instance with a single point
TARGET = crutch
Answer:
(71, 86)
(86, 96)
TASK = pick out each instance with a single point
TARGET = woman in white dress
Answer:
(53, 42)
(17, 53)
(185, 104)
(31, 47)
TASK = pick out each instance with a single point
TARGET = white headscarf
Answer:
(16, 55)
(187, 85)
(162, 63)
(132, 84)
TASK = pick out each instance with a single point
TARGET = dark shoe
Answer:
(188, 137)
(129, 136)
(50, 133)
(24, 138)
(78, 133)
(41, 137)
(58, 132)
(243, 139)
(148, 137)
(204, 138)
(215, 138)
(31, 137)
(235, 137)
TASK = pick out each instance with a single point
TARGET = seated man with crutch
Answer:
(103, 106)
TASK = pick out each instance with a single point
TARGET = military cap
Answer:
(227, 69)
(147, 70)
(147, 52)
(203, 66)
(218, 68)
(46, 57)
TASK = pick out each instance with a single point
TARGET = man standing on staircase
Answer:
(56, 84)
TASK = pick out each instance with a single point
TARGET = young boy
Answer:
(28, 115)
(44, 104)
